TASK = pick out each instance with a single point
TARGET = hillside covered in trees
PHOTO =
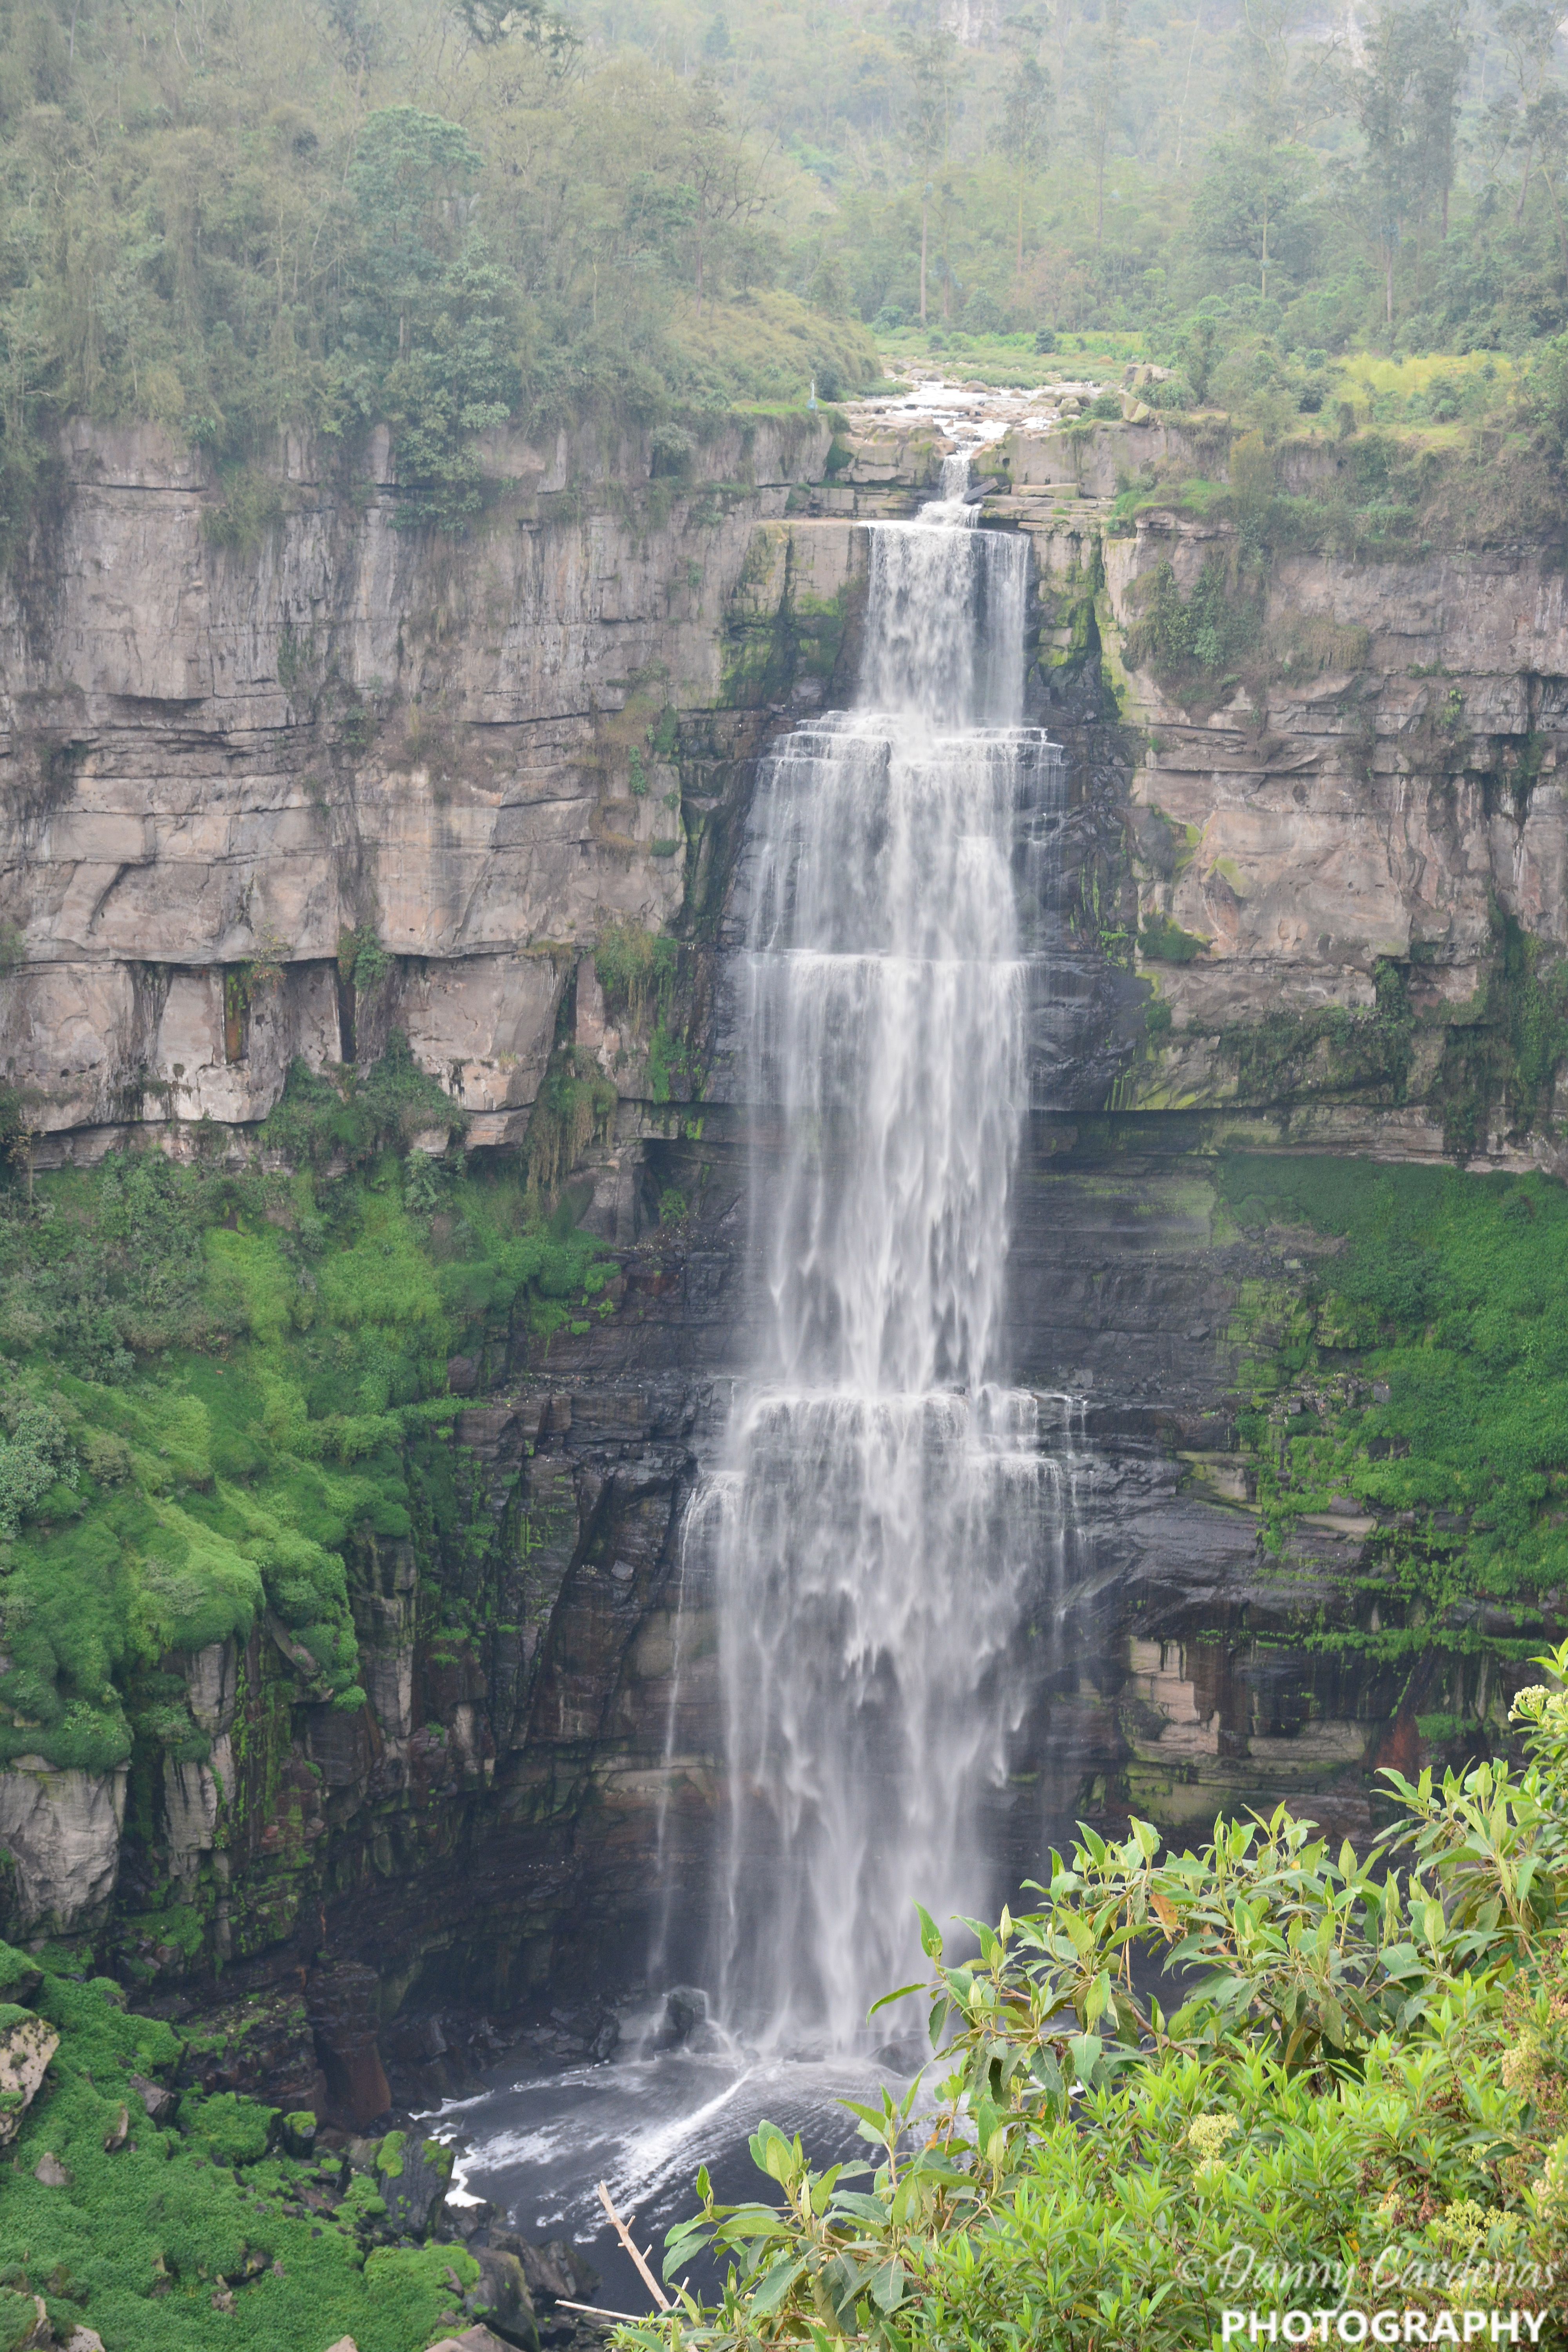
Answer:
(234, 219)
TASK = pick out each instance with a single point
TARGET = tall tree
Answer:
(1526, 32)
(931, 63)
(1250, 209)
(1407, 93)
(1025, 115)
(1102, 89)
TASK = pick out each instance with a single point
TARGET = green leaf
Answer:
(888, 1998)
(776, 2285)
(886, 2286)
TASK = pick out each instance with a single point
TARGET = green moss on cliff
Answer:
(767, 652)
(1417, 1369)
(1331, 1050)
(217, 1389)
(173, 2240)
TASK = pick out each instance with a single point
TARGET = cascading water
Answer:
(876, 1521)
(886, 1531)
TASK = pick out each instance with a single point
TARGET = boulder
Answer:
(26, 2331)
(554, 2273)
(51, 2172)
(26, 2045)
(413, 2176)
(501, 2298)
(685, 2009)
(342, 2003)
(158, 2102)
(466, 2220)
(62, 1831)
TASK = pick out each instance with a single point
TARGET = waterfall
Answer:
(880, 1508)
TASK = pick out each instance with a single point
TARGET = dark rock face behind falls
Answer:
(460, 750)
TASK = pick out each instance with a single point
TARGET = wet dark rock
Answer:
(259, 2044)
(342, 2002)
(469, 2220)
(413, 2175)
(555, 2272)
(502, 2297)
(685, 2009)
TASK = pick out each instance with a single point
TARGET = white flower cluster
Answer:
(1521, 2065)
(1551, 2188)
(1536, 1703)
(1462, 2226)
(1207, 2137)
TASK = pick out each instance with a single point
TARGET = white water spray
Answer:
(882, 1506)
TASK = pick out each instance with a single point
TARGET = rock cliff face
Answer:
(225, 761)
(220, 760)
(1375, 787)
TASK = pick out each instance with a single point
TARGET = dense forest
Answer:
(234, 218)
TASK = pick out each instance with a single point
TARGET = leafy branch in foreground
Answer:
(1359, 2098)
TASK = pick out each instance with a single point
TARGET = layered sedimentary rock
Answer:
(219, 760)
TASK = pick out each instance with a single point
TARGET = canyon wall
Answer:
(229, 765)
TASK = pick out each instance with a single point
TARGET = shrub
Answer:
(356, 1114)
(1363, 2070)
(35, 1451)
(636, 969)
(1161, 941)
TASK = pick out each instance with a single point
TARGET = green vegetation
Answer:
(328, 220)
(1363, 2063)
(1207, 631)
(351, 1115)
(638, 971)
(173, 2240)
(1417, 1368)
(1487, 1065)
(444, 221)
(1331, 1049)
(219, 1389)
(1163, 942)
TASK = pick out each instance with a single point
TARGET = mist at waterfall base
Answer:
(882, 1529)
